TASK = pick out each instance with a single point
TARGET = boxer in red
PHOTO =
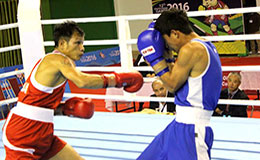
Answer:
(28, 130)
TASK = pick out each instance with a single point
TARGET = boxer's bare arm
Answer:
(191, 62)
(82, 80)
(54, 69)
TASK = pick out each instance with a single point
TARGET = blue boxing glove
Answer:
(151, 25)
(151, 45)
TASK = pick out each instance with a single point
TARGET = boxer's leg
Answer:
(67, 153)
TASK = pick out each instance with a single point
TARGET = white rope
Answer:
(220, 38)
(233, 37)
(224, 68)
(2, 75)
(154, 16)
(82, 20)
(239, 102)
(155, 99)
(223, 11)
(10, 48)
(199, 13)
(134, 41)
(8, 101)
(141, 17)
(8, 26)
(102, 68)
(148, 68)
(241, 68)
(145, 68)
(141, 99)
(90, 42)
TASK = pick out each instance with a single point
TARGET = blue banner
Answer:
(12, 68)
(104, 57)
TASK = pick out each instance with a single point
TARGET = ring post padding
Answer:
(126, 56)
(30, 32)
(125, 49)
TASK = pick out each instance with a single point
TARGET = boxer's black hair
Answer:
(65, 31)
(173, 19)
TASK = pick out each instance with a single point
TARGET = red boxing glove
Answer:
(131, 81)
(79, 107)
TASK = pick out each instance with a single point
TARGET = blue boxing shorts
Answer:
(187, 137)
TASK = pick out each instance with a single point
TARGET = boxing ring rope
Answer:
(11, 73)
(139, 99)
(148, 68)
(145, 68)
(143, 17)
(126, 42)
(134, 41)
(161, 99)
(126, 142)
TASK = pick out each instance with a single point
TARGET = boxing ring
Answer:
(124, 136)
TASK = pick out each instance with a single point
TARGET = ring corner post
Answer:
(30, 32)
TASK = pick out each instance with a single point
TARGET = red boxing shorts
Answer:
(28, 133)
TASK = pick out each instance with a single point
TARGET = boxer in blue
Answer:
(196, 80)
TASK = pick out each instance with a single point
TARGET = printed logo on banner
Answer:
(164, 5)
(104, 57)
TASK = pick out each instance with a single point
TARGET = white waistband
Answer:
(193, 115)
(34, 112)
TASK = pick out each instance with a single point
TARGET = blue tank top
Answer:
(203, 91)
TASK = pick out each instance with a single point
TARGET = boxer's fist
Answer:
(151, 25)
(151, 45)
(79, 107)
(131, 81)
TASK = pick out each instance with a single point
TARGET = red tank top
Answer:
(36, 94)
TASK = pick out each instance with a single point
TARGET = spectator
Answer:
(161, 91)
(252, 25)
(232, 92)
